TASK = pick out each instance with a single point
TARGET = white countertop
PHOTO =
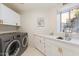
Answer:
(74, 41)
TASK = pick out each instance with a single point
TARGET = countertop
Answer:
(73, 41)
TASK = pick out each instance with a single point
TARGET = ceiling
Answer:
(21, 7)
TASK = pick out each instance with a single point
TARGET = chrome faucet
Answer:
(67, 36)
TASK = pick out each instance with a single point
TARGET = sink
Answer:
(59, 38)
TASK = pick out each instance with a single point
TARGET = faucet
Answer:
(67, 36)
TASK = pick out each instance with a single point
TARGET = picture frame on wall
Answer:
(41, 22)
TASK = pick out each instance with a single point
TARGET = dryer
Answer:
(9, 45)
(23, 37)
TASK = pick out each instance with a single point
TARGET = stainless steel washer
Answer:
(13, 48)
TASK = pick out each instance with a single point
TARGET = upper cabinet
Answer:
(8, 16)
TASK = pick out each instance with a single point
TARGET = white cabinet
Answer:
(67, 49)
(55, 48)
(42, 45)
(70, 50)
(51, 49)
(8, 16)
(39, 43)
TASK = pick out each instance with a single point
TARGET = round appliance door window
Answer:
(24, 42)
(13, 48)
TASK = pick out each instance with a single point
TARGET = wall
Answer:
(53, 19)
(29, 22)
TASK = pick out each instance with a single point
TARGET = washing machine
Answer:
(9, 45)
(23, 37)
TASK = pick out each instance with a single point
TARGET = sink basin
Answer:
(59, 38)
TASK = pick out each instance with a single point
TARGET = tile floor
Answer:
(30, 51)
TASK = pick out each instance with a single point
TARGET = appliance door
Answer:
(13, 48)
(24, 41)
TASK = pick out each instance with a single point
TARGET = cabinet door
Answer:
(39, 43)
(8, 16)
(17, 19)
(70, 51)
(51, 49)
(42, 44)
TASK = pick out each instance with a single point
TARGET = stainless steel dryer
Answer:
(9, 46)
(23, 37)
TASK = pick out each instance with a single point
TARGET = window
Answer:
(64, 17)
(72, 14)
(64, 20)
(69, 20)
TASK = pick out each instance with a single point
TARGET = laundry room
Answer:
(39, 29)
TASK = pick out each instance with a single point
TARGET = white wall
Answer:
(29, 22)
(53, 19)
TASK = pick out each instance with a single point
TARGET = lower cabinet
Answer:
(70, 51)
(39, 43)
(51, 49)
(55, 48)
